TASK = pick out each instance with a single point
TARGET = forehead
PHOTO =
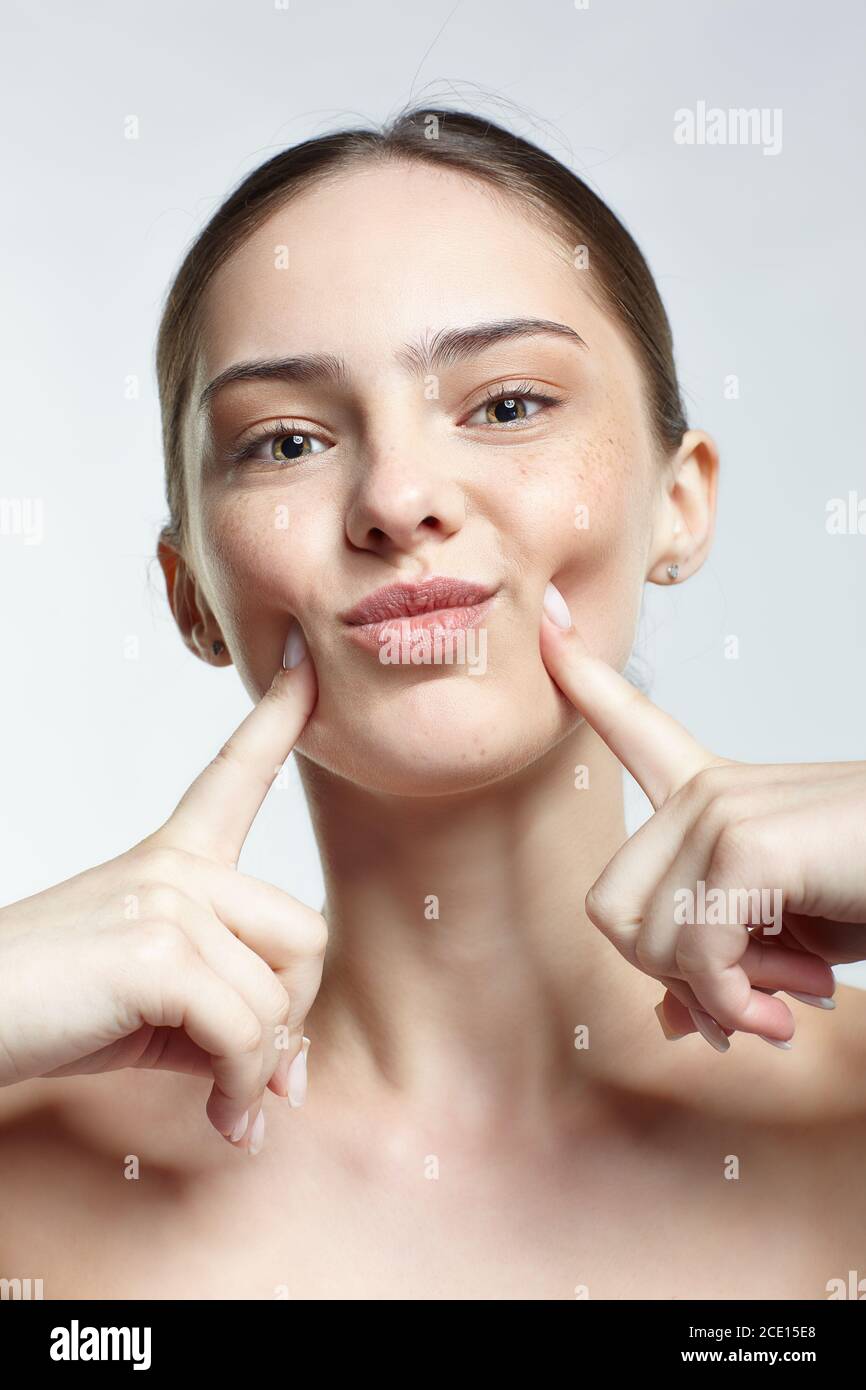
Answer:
(367, 261)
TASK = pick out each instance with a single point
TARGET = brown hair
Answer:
(564, 204)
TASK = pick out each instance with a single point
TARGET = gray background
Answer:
(759, 259)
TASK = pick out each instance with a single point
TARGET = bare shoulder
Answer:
(93, 1114)
(21, 1101)
(841, 1035)
(826, 1065)
(819, 1082)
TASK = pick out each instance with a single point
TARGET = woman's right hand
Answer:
(169, 957)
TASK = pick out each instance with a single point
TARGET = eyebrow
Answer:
(422, 357)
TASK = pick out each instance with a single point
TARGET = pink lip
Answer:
(406, 600)
(401, 609)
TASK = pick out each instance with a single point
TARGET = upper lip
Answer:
(404, 600)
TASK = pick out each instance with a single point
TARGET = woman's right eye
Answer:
(286, 445)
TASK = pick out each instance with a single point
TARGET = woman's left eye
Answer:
(508, 405)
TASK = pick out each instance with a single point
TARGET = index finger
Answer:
(214, 815)
(659, 753)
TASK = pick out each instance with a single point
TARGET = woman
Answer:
(420, 384)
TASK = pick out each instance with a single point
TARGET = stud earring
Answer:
(217, 647)
(673, 571)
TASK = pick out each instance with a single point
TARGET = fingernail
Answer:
(819, 1001)
(240, 1128)
(776, 1042)
(709, 1029)
(296, 1082)
(257, 1133)
(665, 1027)
(295, 648)
(556, 607)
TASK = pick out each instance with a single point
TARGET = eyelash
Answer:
(278, 429)
(524, 390)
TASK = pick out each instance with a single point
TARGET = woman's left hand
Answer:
(746, 880)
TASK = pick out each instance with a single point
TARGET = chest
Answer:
(751, 1219)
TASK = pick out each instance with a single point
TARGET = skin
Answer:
(409, 488)
(451, 1041)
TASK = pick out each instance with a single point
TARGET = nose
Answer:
(404, 504)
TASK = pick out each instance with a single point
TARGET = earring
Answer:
(217, 647)
(673, 571)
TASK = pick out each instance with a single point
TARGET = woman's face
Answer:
(404, 471)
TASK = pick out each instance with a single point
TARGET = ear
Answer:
(195, 620)
(686, 510)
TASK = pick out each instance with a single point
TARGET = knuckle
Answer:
(250, 1040)
(306, 931)
(279, 1002)
(160, 902)
(734, 846)
(709, 782)
(317, 934)
(159, 943)
(724, 809)
(162, 863)
(599, 908)
(648, 957)
(747, 842)
(690, 953)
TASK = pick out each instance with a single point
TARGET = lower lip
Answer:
(373, 635)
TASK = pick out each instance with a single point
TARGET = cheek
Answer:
(583, 520)
(259, 551)
(263, 562)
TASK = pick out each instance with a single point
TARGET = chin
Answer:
(438, 737)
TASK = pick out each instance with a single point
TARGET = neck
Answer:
(460, 961)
